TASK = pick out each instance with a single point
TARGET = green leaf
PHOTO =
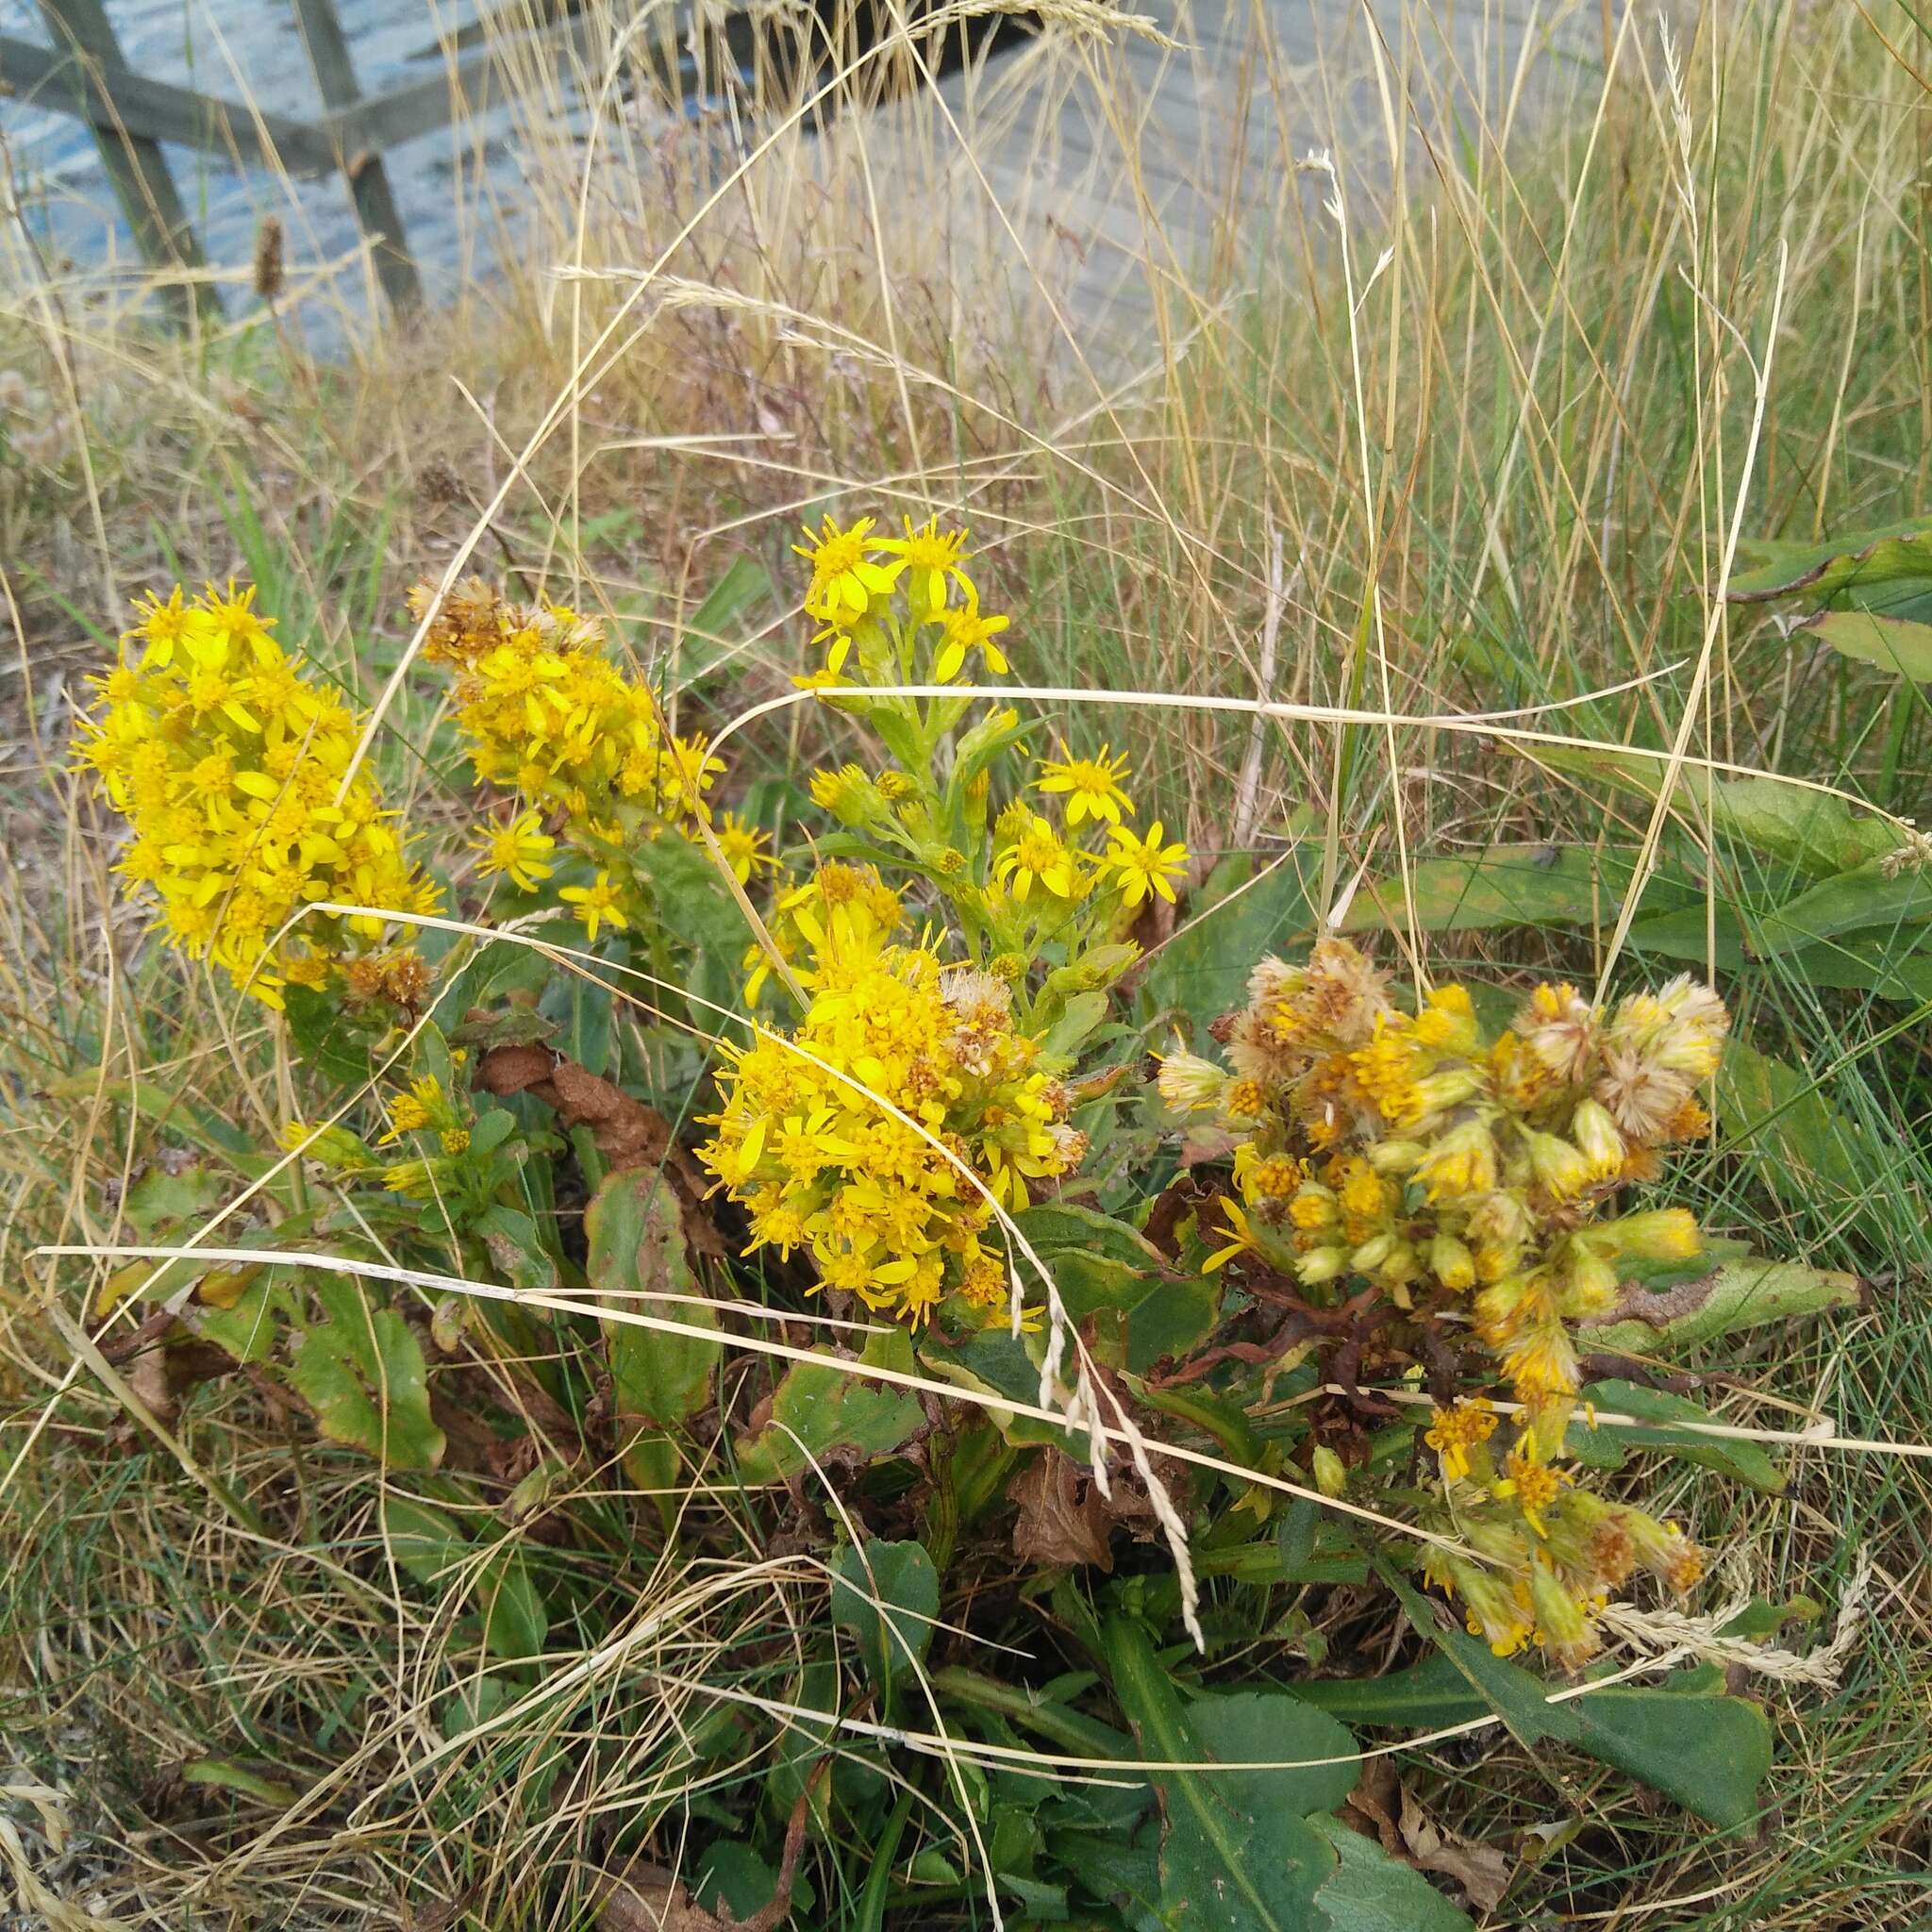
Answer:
(731, 1873)
(515, 1246)
(1217, 1416)
(1689, 934)
(1261, 1726)
(1704, 1748)
(326, 1040)
(1109, 1274)
(251, 1325)
(1774, 1116)
(364, 1375)
(1372, 1892)
(636, 1234)
(428, 1542)
(1082, 1013)
(696, 903)
(432, 1548)
(1203, 969)
(1426, 1696)
(1221, 1865)
(1814, 831)
(1886, 968)
(1742, 1462)
(163, 1200)
(817, 1407)
(1509, 885)
(1734, 1297)
(888, 1596)
(1898, 644)
(226, 1774)
(1886, 568)
(515, 1620)
(1861, 900)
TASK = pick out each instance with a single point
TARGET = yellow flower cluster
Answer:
(1548, 1554)
(856, 576)
(1061, 865)
(549, 715)
(1471, 1177)
(424, 1113)
(1411, 1151)
(228, 761)
(840, 911)
(1038, 863)
(845, 1139)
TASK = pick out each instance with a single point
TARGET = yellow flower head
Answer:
(966, 631)
(1455, 1432)
(517, 849)
(598, 904)
(1140, 867)
(1038, 855)
(1091, 786)
(846, 577)
(744, 847)
(933, 561)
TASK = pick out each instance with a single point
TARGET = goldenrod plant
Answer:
(1368, 1287)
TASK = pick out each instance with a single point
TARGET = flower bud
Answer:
(1560, 1166)
(1189, 1084)
(1591, 1287)
(1331, 1478)
(1664, 1234)
(1319, 1265)
(1395, 1157)
(1451, 1262)
(332, 1146)
(1493, 1614)
(1462, 1164)
(1561, 1626)
(1595, 1133)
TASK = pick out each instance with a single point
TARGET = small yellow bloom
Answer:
(518, 850)
(1140, 866)
(844, 579)
(743, 848)
(1091, 786)
(931, 557)
(596, 904)
(968, 631)
(1533, 1486)
(1455, 1431)
(1037, 854)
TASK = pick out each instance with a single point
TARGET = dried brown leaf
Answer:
(627, 1133)
(1481, 1870)
(1063, 1517)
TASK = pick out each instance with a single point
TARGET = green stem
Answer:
(872, 1901)
(1083, 1736)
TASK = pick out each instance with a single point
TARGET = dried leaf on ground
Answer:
(1481, 1870)
(1063, 1517)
